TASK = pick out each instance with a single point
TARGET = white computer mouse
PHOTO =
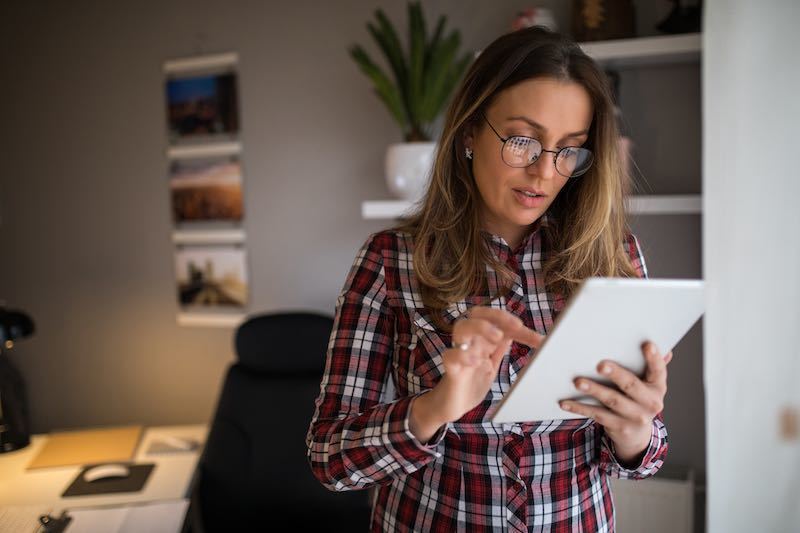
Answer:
(106, 471)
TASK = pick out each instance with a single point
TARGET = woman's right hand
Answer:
(469, 374)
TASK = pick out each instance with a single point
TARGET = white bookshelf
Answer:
(645, 51)
(639, 51)
(686, 204)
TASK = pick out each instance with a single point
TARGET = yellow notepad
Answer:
(85, 446)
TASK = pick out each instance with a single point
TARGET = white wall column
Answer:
(751, 257)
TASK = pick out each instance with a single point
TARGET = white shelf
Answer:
(378, 209)
(685, 204)
(638, 205)
(217, 149)
(225, 236)
(223, 320)
(661, 49)
(209, 62)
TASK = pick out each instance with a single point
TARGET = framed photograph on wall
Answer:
(204, 105)
(206, 189)
(211, 276)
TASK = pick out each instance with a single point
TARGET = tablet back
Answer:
(607, 318)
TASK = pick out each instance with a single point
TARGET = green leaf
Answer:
(454, 75)
(434, 42)
(386, 37)
(384, 88)
(416, 60)
(436, 76)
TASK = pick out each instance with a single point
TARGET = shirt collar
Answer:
(502, 246)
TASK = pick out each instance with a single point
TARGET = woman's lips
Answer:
(529, 201)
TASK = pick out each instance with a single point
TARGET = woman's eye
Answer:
(519, 142)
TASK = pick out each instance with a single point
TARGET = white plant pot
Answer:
(408, 169)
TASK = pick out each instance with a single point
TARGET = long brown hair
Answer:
(587, 225)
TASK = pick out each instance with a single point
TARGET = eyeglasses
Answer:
(519, 151)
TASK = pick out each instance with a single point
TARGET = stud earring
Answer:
(468, 153)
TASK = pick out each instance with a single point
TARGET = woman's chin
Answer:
(528, 216)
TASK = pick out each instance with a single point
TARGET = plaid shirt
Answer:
(473, 475)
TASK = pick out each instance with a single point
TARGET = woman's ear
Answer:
(469, 141)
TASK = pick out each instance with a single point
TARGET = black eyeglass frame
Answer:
(556, 152)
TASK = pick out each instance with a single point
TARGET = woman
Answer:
(437, 316)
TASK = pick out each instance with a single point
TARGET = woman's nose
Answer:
(544, 166)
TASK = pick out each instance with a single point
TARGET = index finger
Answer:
(511, 325)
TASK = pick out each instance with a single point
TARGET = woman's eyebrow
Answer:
(542, 128)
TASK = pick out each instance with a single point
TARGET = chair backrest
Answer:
(284, 344)
(254, 463)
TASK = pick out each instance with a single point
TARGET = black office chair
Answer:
(254, 474)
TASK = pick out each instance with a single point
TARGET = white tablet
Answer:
(607, 318)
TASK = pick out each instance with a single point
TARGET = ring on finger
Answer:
(463, 346)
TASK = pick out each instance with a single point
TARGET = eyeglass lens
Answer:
(523, 151)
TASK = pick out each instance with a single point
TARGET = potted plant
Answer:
(421, 83)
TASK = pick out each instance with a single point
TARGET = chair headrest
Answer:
(284, 343)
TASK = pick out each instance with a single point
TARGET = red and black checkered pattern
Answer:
(473, 475)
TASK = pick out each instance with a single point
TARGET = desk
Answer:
(170, 479)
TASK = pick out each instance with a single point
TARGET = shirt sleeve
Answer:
(654, 455)
(355, 440)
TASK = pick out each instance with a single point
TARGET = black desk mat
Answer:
(139, 473)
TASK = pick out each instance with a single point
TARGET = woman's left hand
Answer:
(626, 414)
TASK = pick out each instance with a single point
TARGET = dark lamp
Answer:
(14, 421)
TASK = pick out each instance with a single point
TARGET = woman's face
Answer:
(558, 114)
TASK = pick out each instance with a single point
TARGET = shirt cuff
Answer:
(404, 447)
(651, 461)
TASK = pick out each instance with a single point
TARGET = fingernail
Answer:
(605, 369)
(582, 385)
(651, 350)
(565, 406)
(497, 334)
